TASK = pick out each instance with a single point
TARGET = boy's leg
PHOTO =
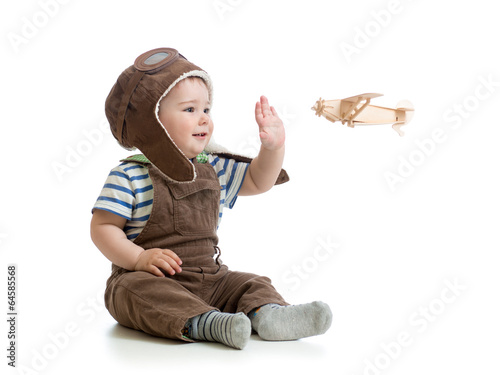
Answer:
(272, 318)
(160, 306)
(242, 292)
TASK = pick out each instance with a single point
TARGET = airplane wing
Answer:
(356, 98)
(350, 109)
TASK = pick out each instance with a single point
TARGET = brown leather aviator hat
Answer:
(133, 103)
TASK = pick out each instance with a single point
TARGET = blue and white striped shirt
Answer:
(128, 191)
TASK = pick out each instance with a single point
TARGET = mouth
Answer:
(200, 135)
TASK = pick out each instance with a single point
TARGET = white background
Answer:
(394, 252)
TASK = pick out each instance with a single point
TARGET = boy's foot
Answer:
(233, 330)
(280, 323)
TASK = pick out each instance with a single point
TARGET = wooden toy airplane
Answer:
(357, 110)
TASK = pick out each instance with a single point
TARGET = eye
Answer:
(206, 110)
(190, 109)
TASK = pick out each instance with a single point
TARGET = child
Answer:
(157, 216)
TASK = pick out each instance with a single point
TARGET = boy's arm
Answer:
(106, 230)
(265, 168)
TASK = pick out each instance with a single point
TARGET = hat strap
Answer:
(129, 90)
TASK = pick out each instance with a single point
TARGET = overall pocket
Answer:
(196, 206)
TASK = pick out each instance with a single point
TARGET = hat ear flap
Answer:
(114, 109)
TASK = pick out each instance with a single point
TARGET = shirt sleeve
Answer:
(231, 175)
(118, 194)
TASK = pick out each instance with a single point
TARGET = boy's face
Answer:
(185, 114)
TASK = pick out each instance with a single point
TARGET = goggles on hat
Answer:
(148, 63)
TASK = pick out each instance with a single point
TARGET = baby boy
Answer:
(157, 216)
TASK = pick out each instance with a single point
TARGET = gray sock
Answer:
(233, 330)
(280, 323)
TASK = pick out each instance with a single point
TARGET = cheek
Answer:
(178, 135)
(173, 125)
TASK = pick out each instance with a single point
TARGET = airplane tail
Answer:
(407, 107)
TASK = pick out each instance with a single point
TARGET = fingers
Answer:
(258, 113)
(170, 262)
(264, 103)
(172, 255)
(262, 108)
(156, 260)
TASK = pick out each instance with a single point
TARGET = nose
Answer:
(204, 119)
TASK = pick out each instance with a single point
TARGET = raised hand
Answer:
(271, 129)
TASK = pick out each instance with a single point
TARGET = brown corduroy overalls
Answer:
(183, 219)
